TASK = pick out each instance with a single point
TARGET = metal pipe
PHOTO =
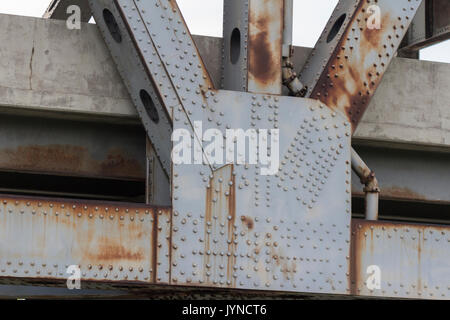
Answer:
(371, 187)
(290, 78)
(288, 27)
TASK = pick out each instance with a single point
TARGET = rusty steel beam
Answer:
(354, 51)
(110, 242)
(252, 49)
(265, 41)
(58, 9)
(71, 148)
(405, 260)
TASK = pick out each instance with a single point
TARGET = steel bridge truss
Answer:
(229, 225)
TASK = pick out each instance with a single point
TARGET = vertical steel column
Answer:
(252, 49)
(235, 45)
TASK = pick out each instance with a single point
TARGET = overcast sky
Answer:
(205, 17)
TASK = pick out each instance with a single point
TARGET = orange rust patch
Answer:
(70, 159)
(264, 51)
(114, 252)
(262, 62)
(349, 82)
(248, 222)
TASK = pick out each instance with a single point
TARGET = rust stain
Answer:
(208, 215)
(349, 81)
(232, 213)
(264, 52)
(97, 228)
(114, 252)
(261, 59)
(154, 247)
(71, 159)
(401, 193)
(248, 222)
(221, 211)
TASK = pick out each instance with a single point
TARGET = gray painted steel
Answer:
(58, 9)
(285, 232)
(413, 261)
(235, 17)
(314, 172)
(137, 78)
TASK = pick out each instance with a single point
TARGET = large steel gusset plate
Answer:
(240, 227)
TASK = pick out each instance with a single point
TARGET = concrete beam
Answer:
(53, 69)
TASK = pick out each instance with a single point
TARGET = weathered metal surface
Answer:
(110, 242)
(152, 61)
(430, 26)
(147, 95)
(252, 49)
(408, 175)
(58, 9)
(225, 232)
(73, 76)
(414, 260)
(302, 246)
(265, 41)
(71, 148)
(235, 45)
(352, 54)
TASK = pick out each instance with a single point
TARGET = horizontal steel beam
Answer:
(72, 148)
(408, 175)
(109, 242)
(60, 72)
(113, 152)
(127, 245)
(80, 82)
(400, 260)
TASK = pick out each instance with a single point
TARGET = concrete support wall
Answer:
(46, 67)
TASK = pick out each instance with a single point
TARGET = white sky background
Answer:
(204, 17)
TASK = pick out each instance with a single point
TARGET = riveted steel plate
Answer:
(110, 242)
(163, 52)
(353, 53)
(289, 231)
(413, 260)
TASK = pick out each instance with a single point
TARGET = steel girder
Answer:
(222, 231)
(354, 51)
(223, 215)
